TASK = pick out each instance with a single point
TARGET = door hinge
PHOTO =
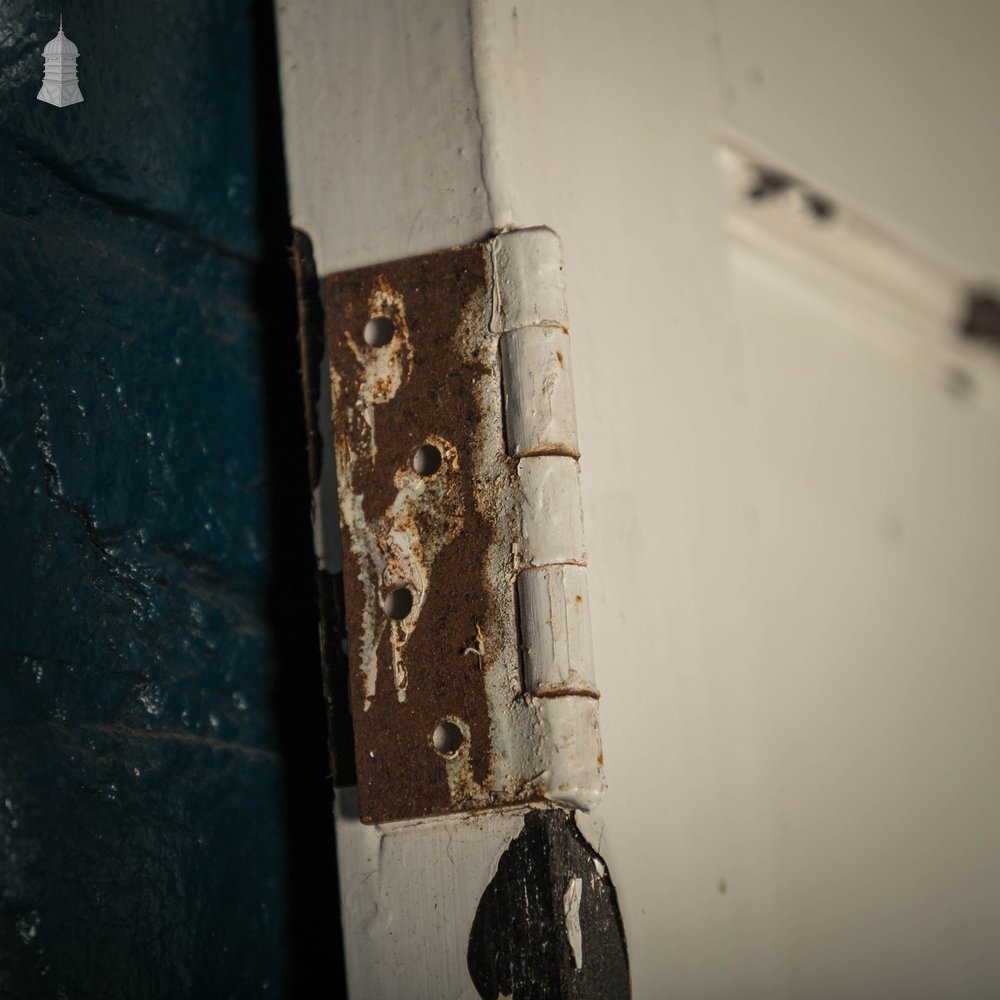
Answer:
(465, 572)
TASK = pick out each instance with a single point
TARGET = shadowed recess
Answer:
(165, 809)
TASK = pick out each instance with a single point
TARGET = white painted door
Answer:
(790, 463)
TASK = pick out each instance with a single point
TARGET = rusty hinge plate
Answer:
(464, 575)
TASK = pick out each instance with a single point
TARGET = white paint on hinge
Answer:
(551, 511)
(528, 287)
(555, 627)
(384, 376)
(530, 317)
(538, 389)
(574, 758)
(409, 554)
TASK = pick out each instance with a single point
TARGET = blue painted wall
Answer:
(149, 788)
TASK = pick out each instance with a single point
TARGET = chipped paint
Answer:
(384, 372)
(385, 367)
(571, 911)
(425, 516)
(548, 925)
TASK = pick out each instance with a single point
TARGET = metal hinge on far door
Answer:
(465, 573)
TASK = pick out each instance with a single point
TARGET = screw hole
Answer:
(447, 738)
(426, 460)
(378, 331)
(399, 603)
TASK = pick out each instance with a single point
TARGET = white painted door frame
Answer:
(792, 572)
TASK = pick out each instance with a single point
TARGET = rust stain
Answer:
(564, 690)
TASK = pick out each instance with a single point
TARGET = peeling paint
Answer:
(426, 515)
(548, 924)
(571, 910)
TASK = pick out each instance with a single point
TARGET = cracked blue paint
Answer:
(141, 848)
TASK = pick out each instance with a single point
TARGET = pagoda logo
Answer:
(59, 87)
